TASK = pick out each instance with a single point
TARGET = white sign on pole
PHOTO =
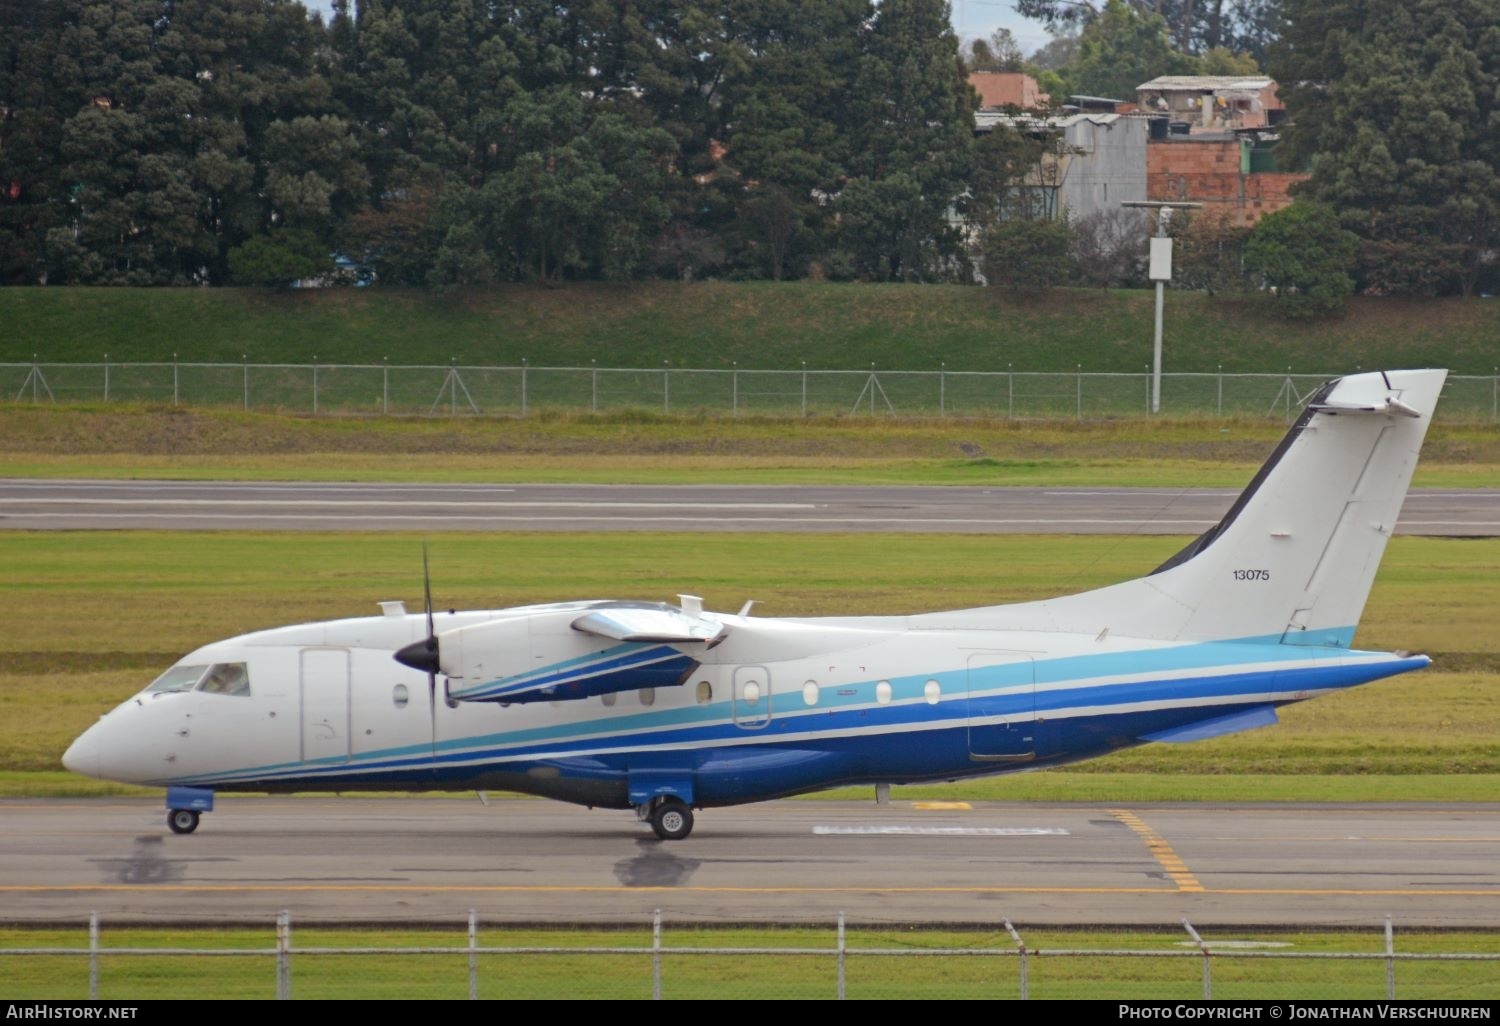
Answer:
(1161, 259)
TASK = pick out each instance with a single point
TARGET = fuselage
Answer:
(325, 707)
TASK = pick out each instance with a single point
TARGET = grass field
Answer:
(147, 441)
(617, 964)
(749, 324)
(87, 619)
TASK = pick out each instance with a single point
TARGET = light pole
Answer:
(1161, 273)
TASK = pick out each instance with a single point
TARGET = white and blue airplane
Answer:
(667, 709)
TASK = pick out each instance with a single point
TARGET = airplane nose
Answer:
(82, 755)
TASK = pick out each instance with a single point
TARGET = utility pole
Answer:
(1161, 273)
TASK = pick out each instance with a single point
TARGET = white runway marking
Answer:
(908, 830)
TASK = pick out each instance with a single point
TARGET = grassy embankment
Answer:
(87, 619)
(749, 324)
(1176, 974)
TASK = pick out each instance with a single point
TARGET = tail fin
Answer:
(1294, 558)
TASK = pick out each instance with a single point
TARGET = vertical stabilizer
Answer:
(1294, 558)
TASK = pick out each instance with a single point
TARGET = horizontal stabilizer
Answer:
(661, 625)
(1245, 719)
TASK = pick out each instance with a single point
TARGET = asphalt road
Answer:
(800, 861)
(236, 505)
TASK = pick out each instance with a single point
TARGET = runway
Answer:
(383, 859)
(239, 505)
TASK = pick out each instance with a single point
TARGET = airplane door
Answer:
(752, 697)
(325, 705)
(1002, 707)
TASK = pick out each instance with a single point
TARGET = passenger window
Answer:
(226, 679)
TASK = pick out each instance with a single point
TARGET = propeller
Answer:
(423, 655)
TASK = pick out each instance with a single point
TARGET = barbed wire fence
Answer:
(457, 960)
(454, 390)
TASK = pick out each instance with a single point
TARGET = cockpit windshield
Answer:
(226, 679)
(215, 679)
(178, 678)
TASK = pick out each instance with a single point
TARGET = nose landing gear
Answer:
(182, 821)
(185, 806)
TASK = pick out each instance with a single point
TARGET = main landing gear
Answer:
(670, 817)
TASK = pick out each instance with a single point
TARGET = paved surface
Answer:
(234, 505)
(406, 859)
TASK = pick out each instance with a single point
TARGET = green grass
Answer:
(1060, 964)
(753, 325)
(86, 619)
(144, 441)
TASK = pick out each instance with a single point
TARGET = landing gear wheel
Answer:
(672, 820)
(182, 821)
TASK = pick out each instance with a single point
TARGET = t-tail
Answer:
(1294, 558)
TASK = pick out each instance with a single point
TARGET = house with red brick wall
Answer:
(1211, 143)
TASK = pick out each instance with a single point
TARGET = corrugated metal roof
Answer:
(987, 119)
(1206, 83)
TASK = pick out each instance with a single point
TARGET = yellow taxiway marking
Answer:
(1177, 870)
(941, 806)
(620, 889)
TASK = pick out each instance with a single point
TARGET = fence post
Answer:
(1221, 391)
(666, 387)
(841, 956)
(1208, 988)
(943, 388)
(734, 386)
(1021, 950)
(245, 379)
(94, 955)
(656, 955)
(315, 382)
(1390, 961)
(804, 389)
(593, 386)
(1495, 395)
(175, 380)
(283, 956)
(523, 386)
(1010, 391)
(473, 955)
(106, 377)
(1079, 379)
(385, 385)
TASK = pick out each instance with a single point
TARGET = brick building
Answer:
(1231, 173)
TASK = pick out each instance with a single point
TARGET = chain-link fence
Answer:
(478, 960)
(518, 391)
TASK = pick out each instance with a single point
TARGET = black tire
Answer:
(182, 821)
(672, 820)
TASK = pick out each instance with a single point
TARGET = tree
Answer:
(1119, 50)
(280, 258)
(1194, 25)
(1108, 247)
(1026, 256)
(1000, 52)
(912, 121)
(1208, 253)
(1304, 257)
(1395, 106)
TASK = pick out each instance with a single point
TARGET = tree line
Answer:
(456, 142)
